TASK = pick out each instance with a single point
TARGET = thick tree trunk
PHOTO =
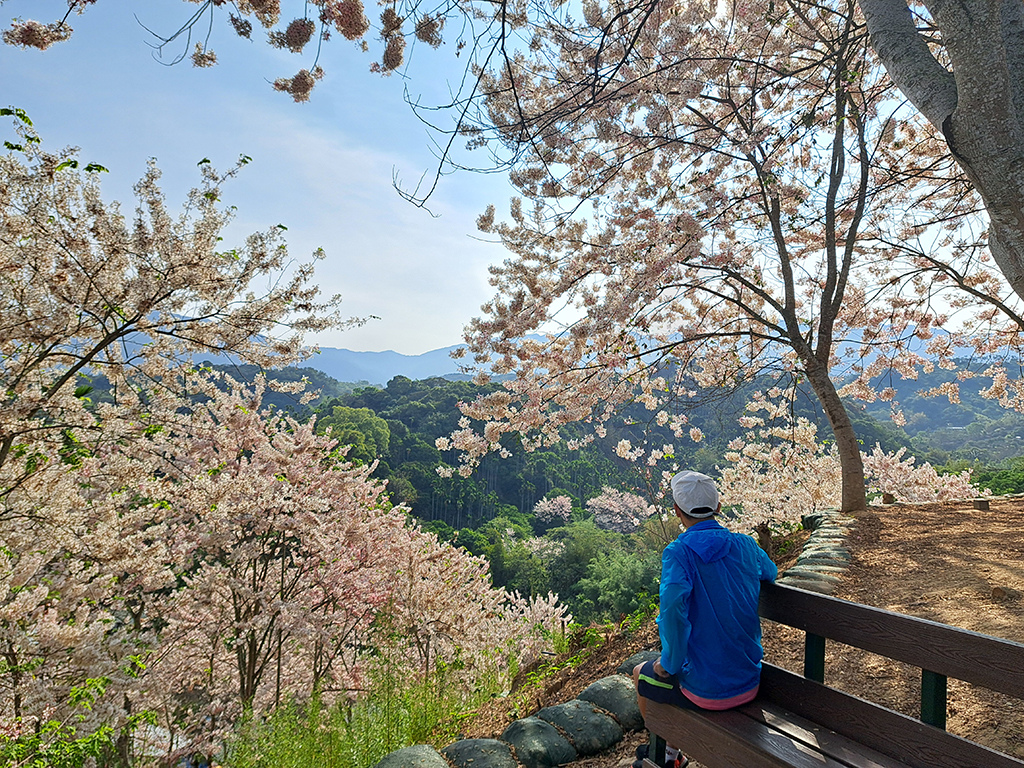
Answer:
(854, 495)
(979, 106)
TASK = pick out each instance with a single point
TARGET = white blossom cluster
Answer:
(780, 470)
(905, 480)
(619, 511)
(556, 510)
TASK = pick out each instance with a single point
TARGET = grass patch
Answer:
(392, 714)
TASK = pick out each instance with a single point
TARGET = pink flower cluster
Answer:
(346, 17)
(33, 34)
(301, 84)
(556, 510)
(619, 511)
(905, 480)
(780, 471)
(296, 35)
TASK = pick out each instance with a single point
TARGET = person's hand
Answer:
(659, 670)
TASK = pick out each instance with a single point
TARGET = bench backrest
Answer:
(936, 648)
(798, 721)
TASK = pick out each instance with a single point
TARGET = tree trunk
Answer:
(979, 106)
(14, 668)
(764, 538)
(854, 490)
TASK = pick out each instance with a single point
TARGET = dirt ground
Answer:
(946, 562)
(952, 564)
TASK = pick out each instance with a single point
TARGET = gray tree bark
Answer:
(854, 487)
(978, 105)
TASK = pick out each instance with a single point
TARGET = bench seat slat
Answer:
(731, 739)
(957, 653)
(906, 739)
(834, 745)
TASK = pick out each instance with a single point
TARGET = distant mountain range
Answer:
(380, 367)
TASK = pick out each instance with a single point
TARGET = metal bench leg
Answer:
(656, 751)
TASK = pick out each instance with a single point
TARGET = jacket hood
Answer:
(709, 543)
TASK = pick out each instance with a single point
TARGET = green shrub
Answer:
(618, 583)
(60, 744)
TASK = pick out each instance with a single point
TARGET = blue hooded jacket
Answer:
(710, 631)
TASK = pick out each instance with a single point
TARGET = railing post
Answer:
(933, 699)
(814, 657)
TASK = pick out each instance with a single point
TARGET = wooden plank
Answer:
(958, 653)
(836, 746)
(904, 738)
(731, 739)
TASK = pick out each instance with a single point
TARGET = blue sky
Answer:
(324, 169)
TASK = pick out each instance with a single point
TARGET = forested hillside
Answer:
(398, 425)
(976, 429)
(599, 573)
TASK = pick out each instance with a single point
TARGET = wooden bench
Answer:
(799, 721)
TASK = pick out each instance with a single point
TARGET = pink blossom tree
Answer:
(276, 538)
(295, 573)
(619, 511)
(905, 480)
(695, 220)
(198, 552)
(89, 290)
(780, 471)
(446, 610)
(554, 511)
(969, 92)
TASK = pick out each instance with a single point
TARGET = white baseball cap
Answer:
(692, 490)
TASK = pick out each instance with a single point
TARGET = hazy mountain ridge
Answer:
(380, 367)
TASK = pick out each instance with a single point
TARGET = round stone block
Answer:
(833, 566)
(810, 584)
(617, 695)
(811, 572)
(626, 667)
(589, 731)
(833, 553)
(538, 744)
(812, 521)
(480, 753)
(418, 756)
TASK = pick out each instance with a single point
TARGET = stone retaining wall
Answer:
(825, 555)
(592, 723)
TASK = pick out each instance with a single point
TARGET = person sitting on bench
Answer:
(708, 622)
